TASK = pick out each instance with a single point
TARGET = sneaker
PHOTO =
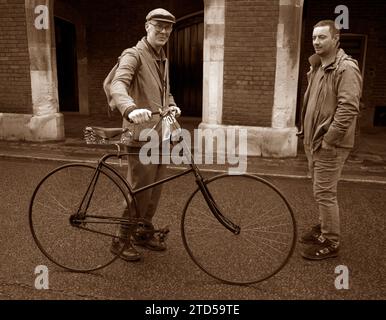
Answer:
(129, 253)
(311, 237)
(152, 244)
(323, 250)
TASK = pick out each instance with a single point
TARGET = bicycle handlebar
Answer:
(161, 112)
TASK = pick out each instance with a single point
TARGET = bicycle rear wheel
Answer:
(60, 234)
(267, 229)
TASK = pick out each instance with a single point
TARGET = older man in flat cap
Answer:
(140, 86)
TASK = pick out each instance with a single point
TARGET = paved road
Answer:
(171, 275)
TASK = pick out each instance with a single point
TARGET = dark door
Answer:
(66, 60)
(355, 45)
(186, 64)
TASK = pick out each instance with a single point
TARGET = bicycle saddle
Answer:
(107, 133)
(100, 135)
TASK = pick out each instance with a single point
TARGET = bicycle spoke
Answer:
(211, 221)
(57, 201)
(198, 231)
(257, 249)
(263, 228)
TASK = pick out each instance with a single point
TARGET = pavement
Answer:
(171, 274)
(367, 163)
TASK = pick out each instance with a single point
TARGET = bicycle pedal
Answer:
(162, 233)
(164, 230)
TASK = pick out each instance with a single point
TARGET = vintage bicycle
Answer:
(239, 229)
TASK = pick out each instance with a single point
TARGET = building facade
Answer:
(234, 63)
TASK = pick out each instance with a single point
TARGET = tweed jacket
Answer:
(138, 84)
(337, 106)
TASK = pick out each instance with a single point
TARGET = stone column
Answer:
(287, 64)
(46, 123)
(280, 139)
(213, 73)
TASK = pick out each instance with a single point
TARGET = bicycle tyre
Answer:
(57, 196)
(267, 236)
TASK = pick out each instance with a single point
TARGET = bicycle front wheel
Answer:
(77, 242)
(267, 229)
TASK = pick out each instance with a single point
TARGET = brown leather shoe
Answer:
(129, 253)
(152, 244)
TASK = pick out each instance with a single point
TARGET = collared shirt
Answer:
(159, 58)
(329, 61)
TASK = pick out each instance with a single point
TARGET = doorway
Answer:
(186, 64)
(66, 60)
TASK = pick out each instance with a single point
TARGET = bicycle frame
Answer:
(201, 182)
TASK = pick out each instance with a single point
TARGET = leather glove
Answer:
(176, 111)
(139, 115)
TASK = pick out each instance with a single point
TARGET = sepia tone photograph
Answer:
(211, 152)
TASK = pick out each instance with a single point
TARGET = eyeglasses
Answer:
(159, 28)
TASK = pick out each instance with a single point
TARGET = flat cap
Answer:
(160, 14)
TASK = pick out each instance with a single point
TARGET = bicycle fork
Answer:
(214, 208)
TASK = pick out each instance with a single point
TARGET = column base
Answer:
(28, 127)
(264, 142)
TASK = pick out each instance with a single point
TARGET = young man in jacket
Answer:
(328, 120)
(140, 86)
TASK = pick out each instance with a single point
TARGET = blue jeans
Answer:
(325, 167)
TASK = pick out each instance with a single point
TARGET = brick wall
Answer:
(365, 17)
(15, 83)
(111, 27)
(250, 61)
